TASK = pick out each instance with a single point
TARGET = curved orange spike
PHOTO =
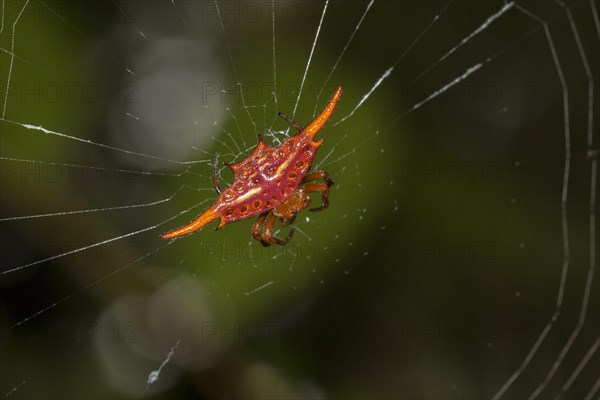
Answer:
(314, 127)
(203, 219)
(233, 167)
(257, 150)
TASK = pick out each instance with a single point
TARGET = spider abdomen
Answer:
(266, 178)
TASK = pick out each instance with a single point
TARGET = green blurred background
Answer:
(434, 271)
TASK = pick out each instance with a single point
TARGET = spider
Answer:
(272, 182)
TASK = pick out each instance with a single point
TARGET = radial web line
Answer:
(476, 32)
(93, 210)
(431, 23)
(180, 15)
(356, 28)
(261, 287)
(113, 273)
(387, 72)
(83, 289)
(94, 167)
(593, 390)
(12, 50)
(565, 233)
(445, 88)
(235, 72)
(358, 146)
(37, 372)
(274, 63)
(97, 244)
(312, 49)
(239, 129)
(31, 264)
(464, 75)
(23, 60)
(105, 277)
(108, 55)
(225, 131)
(595, 15)
(331, 150)
(2, 19)
(40, 128)
(77, 341)
(129, 20)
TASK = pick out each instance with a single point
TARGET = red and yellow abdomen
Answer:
(266, 178)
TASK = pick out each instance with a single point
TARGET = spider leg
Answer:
(258, 225)
(321, 188)
(286, 222)
(216, 175)
(291, 122)
(321, 174)
(267, 236)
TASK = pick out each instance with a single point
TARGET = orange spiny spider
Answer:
(272, 182)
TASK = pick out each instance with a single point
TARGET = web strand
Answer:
(388, 72)
(235, 72)
(310, 56)
(356, 28)
(83, 289)
(582, 364)
(108, 55)
(565, 234)
(40, 128)
(590, 275)
(343, 151)
(94, 210)
(93, 245)
(12, 51)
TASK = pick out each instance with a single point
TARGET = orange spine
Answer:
(203, 219)
(321, 120)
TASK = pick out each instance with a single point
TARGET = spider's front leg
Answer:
(321, 174)
(267, 236)
(258, 225)
(318, 188)
(291, 122)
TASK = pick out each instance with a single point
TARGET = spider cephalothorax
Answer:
(271, 182)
